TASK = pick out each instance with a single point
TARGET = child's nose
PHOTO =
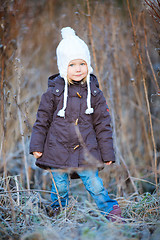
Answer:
(78, 68)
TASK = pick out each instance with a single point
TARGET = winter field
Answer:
(124, 41)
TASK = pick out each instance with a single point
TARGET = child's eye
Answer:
(71, 65)
(82, 64)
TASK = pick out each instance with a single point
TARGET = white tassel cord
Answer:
(61, 112)
(89, 110)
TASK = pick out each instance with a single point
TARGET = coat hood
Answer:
(56, 78)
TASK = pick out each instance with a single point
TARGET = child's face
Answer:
(77, 70)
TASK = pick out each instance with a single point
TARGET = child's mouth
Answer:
(78, 75)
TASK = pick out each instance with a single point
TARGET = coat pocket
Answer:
(55, 152)
(58, 154)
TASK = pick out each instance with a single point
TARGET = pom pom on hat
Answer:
(67, 32)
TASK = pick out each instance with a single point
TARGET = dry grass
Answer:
(29, 58)
(25, 215)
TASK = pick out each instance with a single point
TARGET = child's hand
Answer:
(37, 154)
(108, 163)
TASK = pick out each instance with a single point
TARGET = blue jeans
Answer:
(93, 184)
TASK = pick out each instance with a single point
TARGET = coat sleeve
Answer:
(42, 123)
(101, 122)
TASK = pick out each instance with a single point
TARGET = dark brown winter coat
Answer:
(55, 136)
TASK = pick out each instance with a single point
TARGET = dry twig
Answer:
(145, 90)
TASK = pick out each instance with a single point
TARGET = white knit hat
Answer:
(70, 48)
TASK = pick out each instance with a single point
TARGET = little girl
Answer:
(74, 98)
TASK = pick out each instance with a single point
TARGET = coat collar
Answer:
(57, 84)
